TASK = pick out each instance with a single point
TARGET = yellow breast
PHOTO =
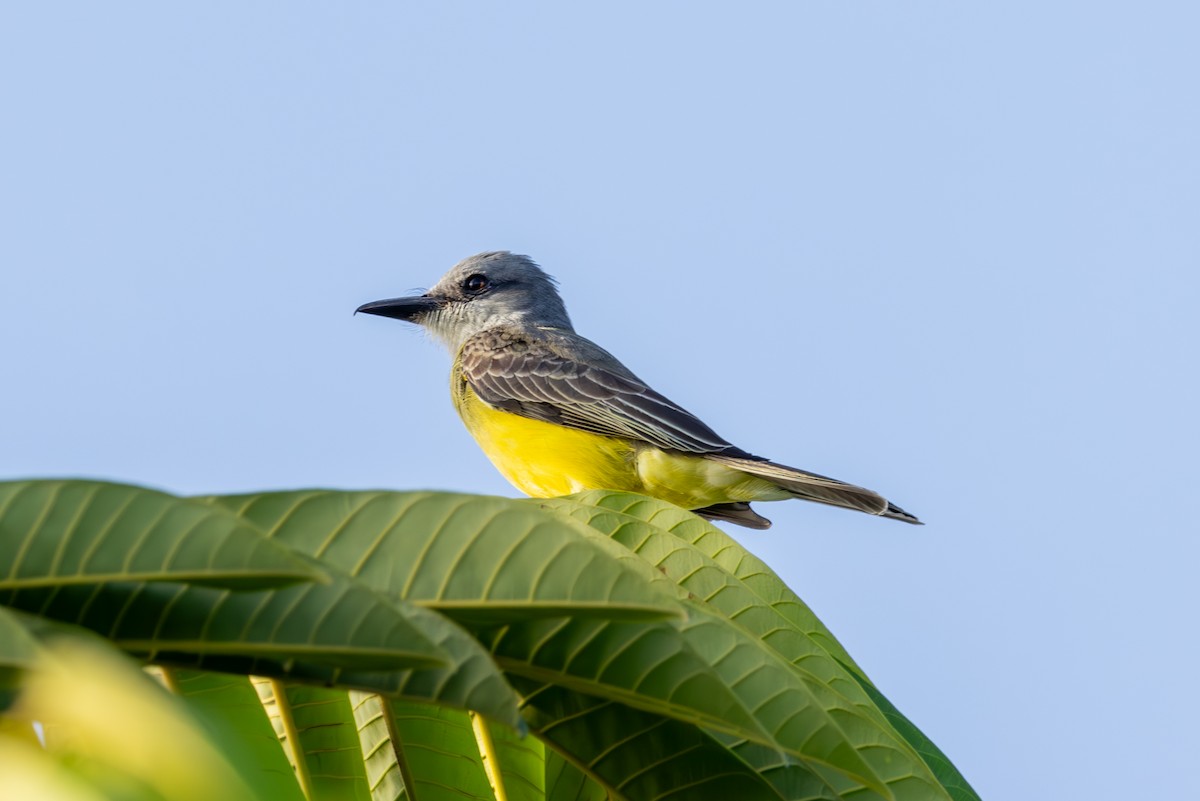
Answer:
(542, 459)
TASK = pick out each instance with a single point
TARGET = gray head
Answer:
(486, 290)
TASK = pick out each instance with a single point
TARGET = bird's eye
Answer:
(475, 283)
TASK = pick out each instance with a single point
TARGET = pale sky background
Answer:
(943, 250)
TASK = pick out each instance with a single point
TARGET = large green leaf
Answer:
(789, 777)
(954, 782)
(627, 753)
(480, 560)
(805, 719)
(682, 684)
(383, 757)
(789, 627)
(651, 666)
(518, 762)
(704, 671)
(472, 681)
(19, 652)
(565, 781)
(233, 701)
(19, 649)
(740, 693)
(708, 541)
(340, 631)
(58, 532)
(323, 736)
(714, 567)
(420, 752)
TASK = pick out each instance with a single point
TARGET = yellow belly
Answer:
(545, 460)
(542, 459)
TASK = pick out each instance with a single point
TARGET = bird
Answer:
(557, 414)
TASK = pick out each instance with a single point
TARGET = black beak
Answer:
(406, 309)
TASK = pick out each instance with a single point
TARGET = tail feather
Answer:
(818, 488)
(896, 513)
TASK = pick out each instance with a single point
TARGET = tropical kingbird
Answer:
(558, 414)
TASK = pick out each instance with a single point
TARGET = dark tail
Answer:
(814, 487)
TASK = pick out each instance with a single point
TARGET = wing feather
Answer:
(560, 377)
(565, 379)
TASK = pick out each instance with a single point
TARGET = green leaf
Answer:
(804, 718)
(323, 736)
(479, 560)
(632, 693)
(430, 751)
(780, 619)
(707, 674)
(19, 649)
(790, 778)
(234, 703)
(60, 532)
(520, 762)
(567, 782)
(651, 666)
(943, 769)
(383, 756)
(710, 542)
(631, 754)
(472, 681)
(19, 652)
(322, 633)
(743, 589)
(704, 671)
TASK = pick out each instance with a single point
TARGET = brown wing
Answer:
(563, 378)
(560, 377)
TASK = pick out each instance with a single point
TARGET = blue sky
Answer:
(945, 251)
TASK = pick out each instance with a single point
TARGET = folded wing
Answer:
(570, 381)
